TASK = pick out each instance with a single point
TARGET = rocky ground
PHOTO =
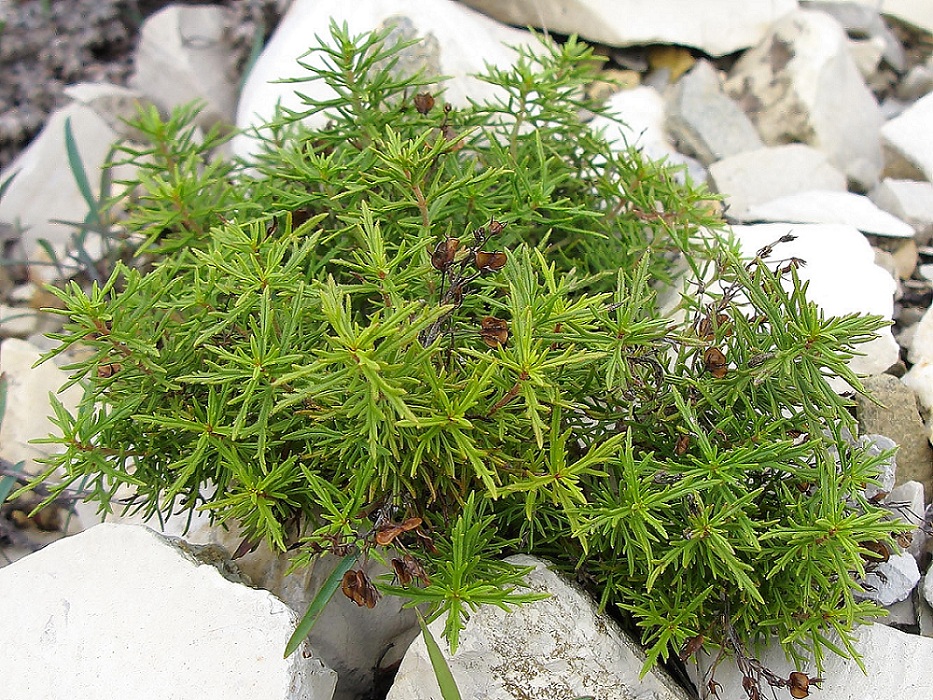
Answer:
(839, 151)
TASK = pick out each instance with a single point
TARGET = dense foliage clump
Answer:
(434, 335)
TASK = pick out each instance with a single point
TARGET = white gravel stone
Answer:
(641, 111)
(121, 612)
(909, 200)
(843, 279)
(891, 581)
(831, 207)
(456, 41)
(755, 177)
(713, 26)
(559, 647)
(908, 142)
(800, 83)
(897, 666)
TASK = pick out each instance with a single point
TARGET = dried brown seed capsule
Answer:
(716, 362)
(357, 587)
(495, 227)
(386, 534)
(444, 253)
(424, 102)
(490, 262)
(799, 684)
(683, 444)
(108, 370)
(494, 331)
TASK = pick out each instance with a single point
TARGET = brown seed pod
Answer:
(494, 331)
(693, 645)
(108, 370)
(707, 330)
(424, 102)
(716, 362)
(386, 534)
(357, 587)
(408, 568)
(490, 262)
(878, 552)
(495, 227)
(444, 253)
(683, 444)
(799, 684)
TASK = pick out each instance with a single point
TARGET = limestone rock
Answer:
(43, 191)
(843, 279)
(864, 21)
(874, 444)
(928, 589)
(919, 14)
(908, 145)
(759, 176)
(891, 581)
(559, 647)
(831, 207)
(455, 41)
(336, 636)
(897, 665)
(704, 122)
(182, 56)
(800, 84)
(907, 503)
(909, 200)
(922, 347)
(27, 402)
(120, 611)
(627, 23)
(641, 111)
(896, 416)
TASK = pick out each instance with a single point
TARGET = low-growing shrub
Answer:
(433, 335)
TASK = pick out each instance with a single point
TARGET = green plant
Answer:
(431, 335)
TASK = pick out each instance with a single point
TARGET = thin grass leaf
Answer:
(8, 481)
(53, 257)
(317, 605)
(78, 171)
(445, 679)
(5, 185)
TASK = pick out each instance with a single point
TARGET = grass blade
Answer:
(317, 605)
(78, 171)
(445, 679)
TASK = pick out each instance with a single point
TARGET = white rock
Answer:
(875, 445)
(182, 56)
(800, 84)
(925, 608)
(831, 207)
(921, 349)
(17, 322)
(906, 502)
(336, 637)
(44, 190)
(641, 111)
(867, 54)
(919, 14)
(843, 279)
(901, 614)
(920, 379)
(27, 402)
(863, 20)
(715, 27)
(897, 665)
(704, 121)
(891, 581)
(909, 200)
(759, 176)
(456, 42)
(928, 589)
(559, 647)
(926, 271)
(121, 612)
(908, 142)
